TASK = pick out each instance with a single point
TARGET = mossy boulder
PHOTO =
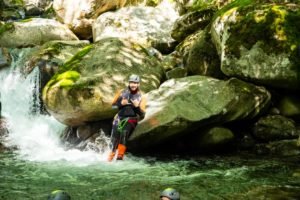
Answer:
(182, 105)
(32, 32)
(178, 72)
(275, 127)
(84, 87)
(134, 24)
(259, 42)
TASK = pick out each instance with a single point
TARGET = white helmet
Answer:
(170, 193)
(134, 78)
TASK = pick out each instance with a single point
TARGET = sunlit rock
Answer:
(143, 25)
(84, 86)
(182, 105)
(275, 127)
(259, 42)
(32, 32)
(79, 15)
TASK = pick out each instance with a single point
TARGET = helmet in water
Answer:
(59, 195)
(134, 78)
(170, 193)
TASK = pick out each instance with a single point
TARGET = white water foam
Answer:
(36, 136)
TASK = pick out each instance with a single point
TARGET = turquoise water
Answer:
(213, 177)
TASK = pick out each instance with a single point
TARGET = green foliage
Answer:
(68, 73)
(276, 25)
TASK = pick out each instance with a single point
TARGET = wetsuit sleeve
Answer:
(117, 99)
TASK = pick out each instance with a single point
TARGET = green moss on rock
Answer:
(5, 27)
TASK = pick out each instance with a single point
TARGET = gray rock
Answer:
(183, 105)
(35, 31)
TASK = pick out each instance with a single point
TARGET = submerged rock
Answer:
(84, 86)
(182, 105)
(258, 41)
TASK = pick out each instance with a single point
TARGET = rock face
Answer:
(133, 23)
(183, 105)
(271, 58)
(84, 87)
(35, 31)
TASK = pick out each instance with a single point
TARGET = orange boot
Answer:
(111, 156)
(121, 151)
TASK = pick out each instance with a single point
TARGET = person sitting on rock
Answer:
(131, 107)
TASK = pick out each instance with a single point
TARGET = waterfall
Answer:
(35, 136)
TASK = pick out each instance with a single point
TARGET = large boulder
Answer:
(259, 42)
(32, 32)
(79, 15)
(84, 87)
(183, 105)
(133, 23)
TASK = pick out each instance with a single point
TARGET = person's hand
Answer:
(124, 101)
(136, 103)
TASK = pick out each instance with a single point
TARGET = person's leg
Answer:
(126, 132)
(114, 139)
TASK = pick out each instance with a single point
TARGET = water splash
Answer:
(35, 136)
